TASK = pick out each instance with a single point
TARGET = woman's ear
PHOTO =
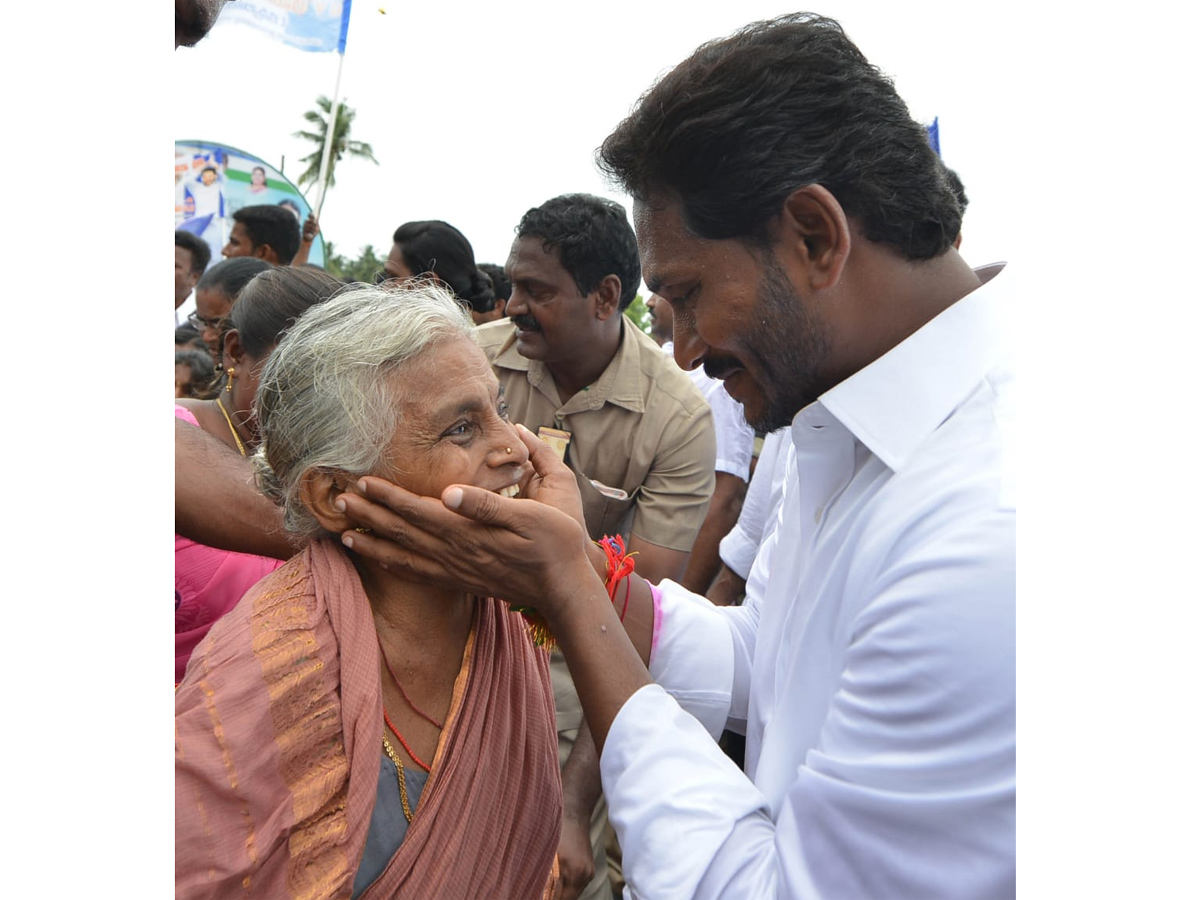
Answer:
(319, 488)
(232, 351)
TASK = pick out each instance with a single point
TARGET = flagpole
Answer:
(334, 105)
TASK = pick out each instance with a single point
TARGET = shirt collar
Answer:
(620, 383)
(896, 402)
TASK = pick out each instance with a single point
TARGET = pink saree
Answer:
(278, 735)
(208, 583)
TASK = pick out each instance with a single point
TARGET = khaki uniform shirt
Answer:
(642, 428)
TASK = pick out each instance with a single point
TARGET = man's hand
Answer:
(310, 230)
(576, 863)
(531, 550)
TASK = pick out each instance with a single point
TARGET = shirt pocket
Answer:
(605, 514)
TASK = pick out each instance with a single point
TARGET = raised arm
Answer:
(216, 502)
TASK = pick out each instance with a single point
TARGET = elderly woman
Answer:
(344, 731)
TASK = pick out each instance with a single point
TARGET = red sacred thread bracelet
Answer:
(620, 566)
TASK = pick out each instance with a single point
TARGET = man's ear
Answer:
(813, 231)
(318, 489)
(607, 297)
(267, 253)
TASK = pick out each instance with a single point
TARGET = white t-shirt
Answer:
(735, 438)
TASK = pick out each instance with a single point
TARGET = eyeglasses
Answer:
(199, 322)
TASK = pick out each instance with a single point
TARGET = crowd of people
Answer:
(482, 591)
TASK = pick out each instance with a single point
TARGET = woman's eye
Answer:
(459, 430)
(503, 409)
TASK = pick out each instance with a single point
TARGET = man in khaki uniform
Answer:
(633, 427)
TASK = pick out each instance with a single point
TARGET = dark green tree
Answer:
(342, 145)
(364, 268)
(637, 312)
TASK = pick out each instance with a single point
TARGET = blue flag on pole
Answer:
(318, 26)
(933, 137)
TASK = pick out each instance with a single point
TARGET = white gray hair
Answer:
(325, 400)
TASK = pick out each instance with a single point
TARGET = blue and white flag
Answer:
(932, 131)
(318, 26)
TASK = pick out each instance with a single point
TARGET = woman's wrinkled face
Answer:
(454, 426)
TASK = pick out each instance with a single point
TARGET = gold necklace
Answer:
(232, 430)
(387, 748)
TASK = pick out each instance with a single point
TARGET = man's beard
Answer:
(788, 347)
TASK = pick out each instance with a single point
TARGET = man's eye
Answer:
(678, 303)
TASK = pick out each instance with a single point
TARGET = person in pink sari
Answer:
(209, 581)
(346, 732)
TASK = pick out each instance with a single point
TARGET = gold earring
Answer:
(229, 380)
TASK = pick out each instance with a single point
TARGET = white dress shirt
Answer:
(735, 437)
(872, 670)
(760, 509)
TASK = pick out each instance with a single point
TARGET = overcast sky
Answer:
(476, 116)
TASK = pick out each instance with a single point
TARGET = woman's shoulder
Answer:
(277, 607)
(183, 410)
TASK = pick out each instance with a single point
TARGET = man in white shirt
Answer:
(755, 523)
(792, 212)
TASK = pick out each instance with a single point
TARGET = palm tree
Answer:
(342, 144)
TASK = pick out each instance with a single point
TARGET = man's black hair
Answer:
(272, 225)
(501, 286)
(746, 120)
(199, 249)
(593, 238)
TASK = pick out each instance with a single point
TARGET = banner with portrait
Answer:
(213, 181)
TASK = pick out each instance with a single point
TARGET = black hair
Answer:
(440, 248)
(500, 283)
(186, 336)
(201, 364)
(272, 225)
(593, 238)
(960, 191)
(201, 254)
(231, 275)
(746, 120)
(273, 300)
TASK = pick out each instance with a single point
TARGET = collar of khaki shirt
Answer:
(896, 402)
(620, 383)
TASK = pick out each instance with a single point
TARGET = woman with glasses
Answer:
(215, 292)
(210, 581)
